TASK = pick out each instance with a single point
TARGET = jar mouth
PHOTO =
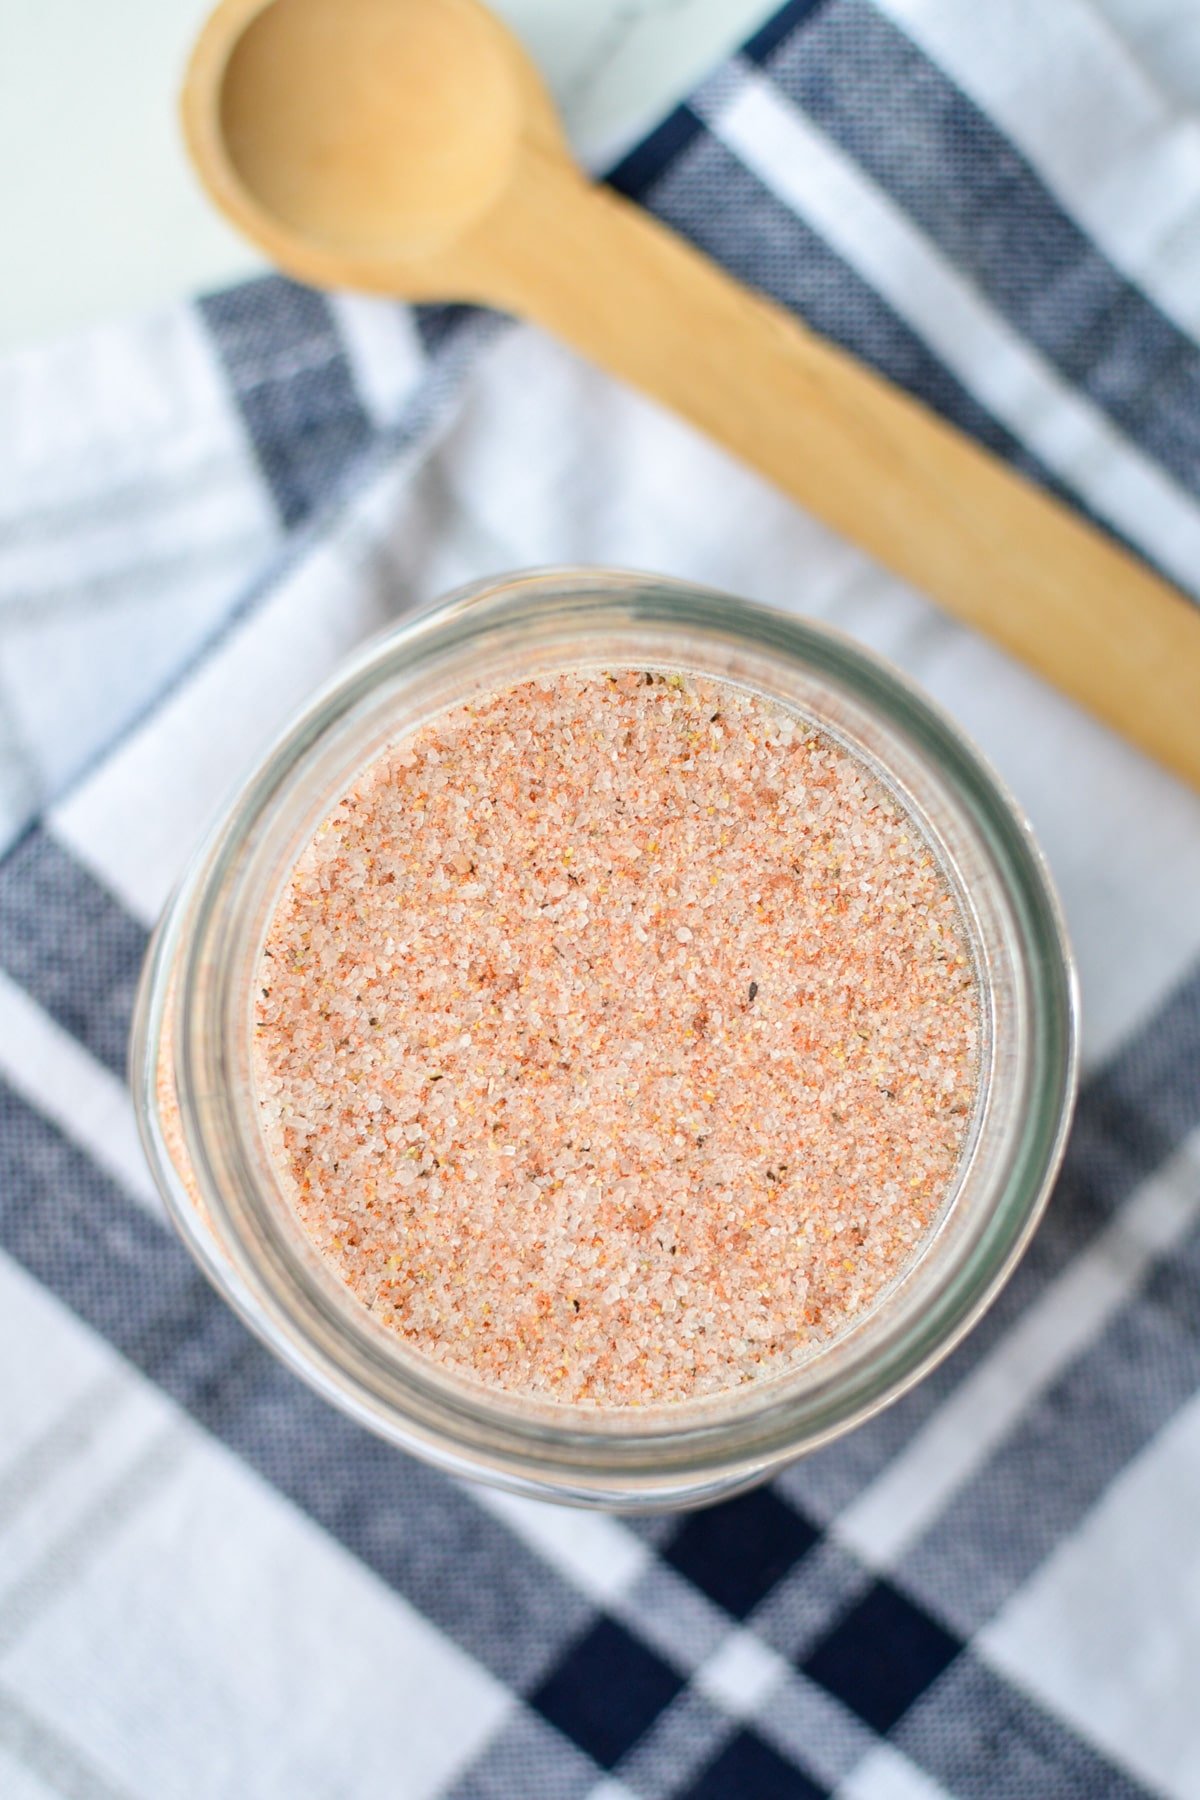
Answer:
(196, 989)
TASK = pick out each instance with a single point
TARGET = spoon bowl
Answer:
(364, 140)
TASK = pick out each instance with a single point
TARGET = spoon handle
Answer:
(879, 467)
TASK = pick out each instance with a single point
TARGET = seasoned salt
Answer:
(616, 1038)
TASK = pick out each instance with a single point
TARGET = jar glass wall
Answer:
(192, 1053)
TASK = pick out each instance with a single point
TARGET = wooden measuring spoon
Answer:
(408, 147)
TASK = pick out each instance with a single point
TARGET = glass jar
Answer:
(192, 1073)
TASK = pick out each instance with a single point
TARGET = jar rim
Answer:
(329, 1338)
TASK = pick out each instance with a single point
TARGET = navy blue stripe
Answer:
(736, 1553)
(876, 94)
(636, 173)
(130, 1280)
(70, 944)
(766, 43)
(748, 1769)
(881, 1656)
(292, 382)
(606, 1692)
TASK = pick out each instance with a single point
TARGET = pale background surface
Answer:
(100, 212)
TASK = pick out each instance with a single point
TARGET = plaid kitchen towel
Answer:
(211, 1584)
